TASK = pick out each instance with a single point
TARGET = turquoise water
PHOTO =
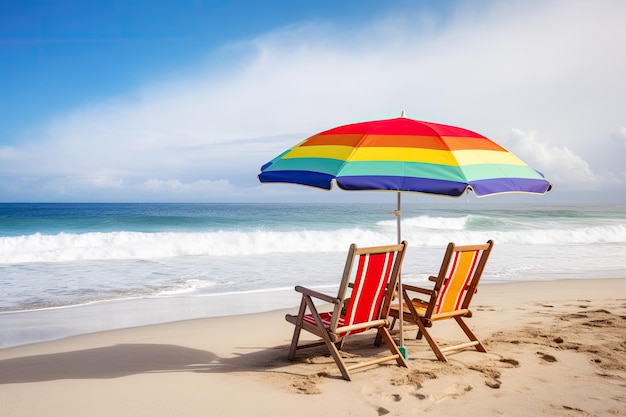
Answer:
(99, 261)
(54, 255)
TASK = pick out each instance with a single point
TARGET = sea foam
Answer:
(66, 247)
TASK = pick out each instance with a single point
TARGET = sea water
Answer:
(72, 268)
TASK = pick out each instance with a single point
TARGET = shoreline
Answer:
(557, 342)
(27, 327)
(36, 326)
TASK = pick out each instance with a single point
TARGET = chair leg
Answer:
(433, 345)
(296, 332)
(294, 343)
(340, 343)
(383, 333)
(334, 351)
(332, 347)
(378, 339)
(470, 334)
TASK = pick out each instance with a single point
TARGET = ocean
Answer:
(73, 268)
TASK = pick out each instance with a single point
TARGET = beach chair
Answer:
(362, 303)
(449, 298)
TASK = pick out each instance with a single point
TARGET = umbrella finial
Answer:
(402, 115)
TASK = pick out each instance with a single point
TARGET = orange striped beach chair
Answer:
(449, 298)
(362, 303)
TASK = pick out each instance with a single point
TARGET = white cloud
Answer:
(178, 186)
(563, 167)
(553, 67)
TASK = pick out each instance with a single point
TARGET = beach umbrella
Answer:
(404, 155)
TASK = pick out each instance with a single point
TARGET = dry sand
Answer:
(554, 348)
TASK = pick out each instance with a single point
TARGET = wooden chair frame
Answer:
(333, 327)
(424, 313)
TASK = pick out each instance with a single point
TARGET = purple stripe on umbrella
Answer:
(509, 185)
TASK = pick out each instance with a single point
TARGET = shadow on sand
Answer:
(121, 360)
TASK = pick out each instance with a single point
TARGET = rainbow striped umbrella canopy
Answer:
(404, 155)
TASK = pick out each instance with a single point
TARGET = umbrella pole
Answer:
(398, 214)
(398, 217)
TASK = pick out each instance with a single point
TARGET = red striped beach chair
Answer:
(450, 297)
(372, 275)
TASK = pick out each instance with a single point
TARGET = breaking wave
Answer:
(67, 247)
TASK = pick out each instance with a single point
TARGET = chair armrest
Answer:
(316, 294)
(407, 287)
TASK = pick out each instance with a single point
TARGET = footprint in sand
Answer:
(452, 392)
(491, 375)
(546, 357)
(307, 384)
(510, 361)
(491, 372)
(382, 411)
(377, 398)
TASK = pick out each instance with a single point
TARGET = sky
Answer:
(184, 101)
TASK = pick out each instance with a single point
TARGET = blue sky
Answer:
(185, 100)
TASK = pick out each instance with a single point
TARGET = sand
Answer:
(555, 348)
